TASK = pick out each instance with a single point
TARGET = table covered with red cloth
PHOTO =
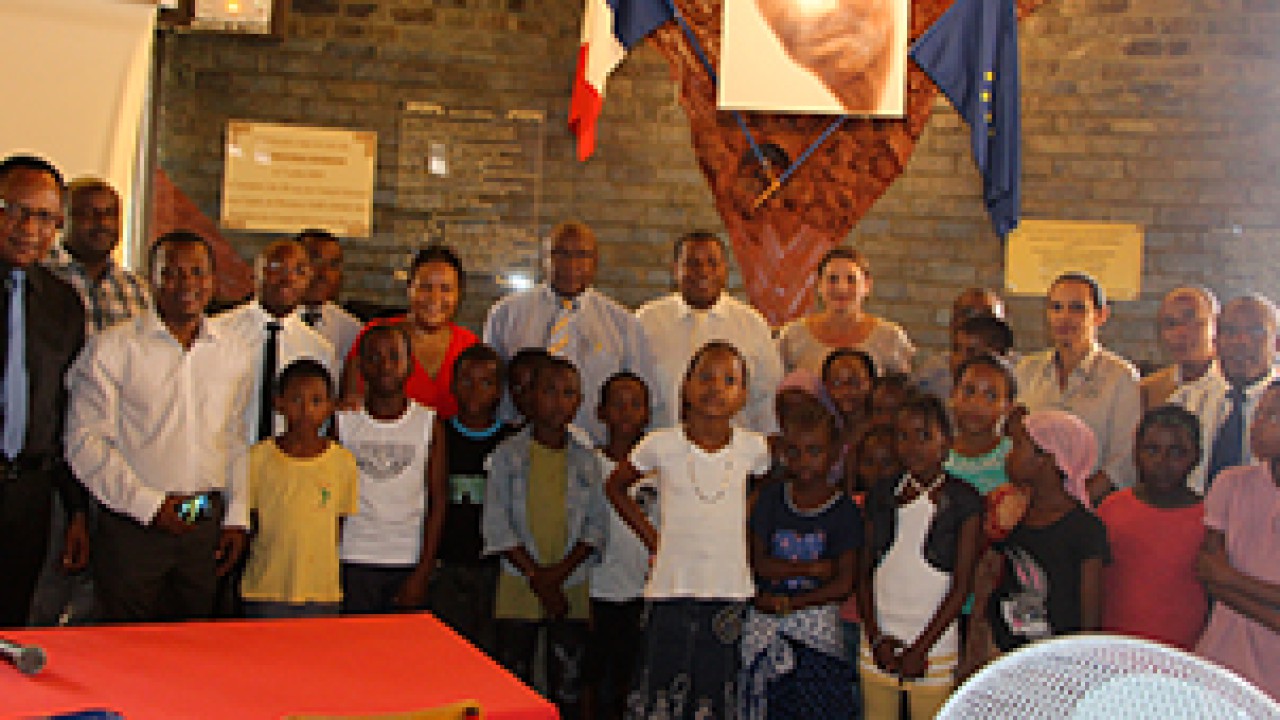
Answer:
(262, 669)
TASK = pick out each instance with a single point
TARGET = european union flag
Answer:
(971, 53)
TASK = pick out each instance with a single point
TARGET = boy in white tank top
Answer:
(388, 552)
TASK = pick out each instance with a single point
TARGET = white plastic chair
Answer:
(1106, 677)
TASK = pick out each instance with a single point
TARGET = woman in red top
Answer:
(436, 281)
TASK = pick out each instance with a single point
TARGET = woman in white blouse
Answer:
(1080, 376)
(844, 282)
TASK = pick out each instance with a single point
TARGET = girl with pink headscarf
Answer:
(1045, 578)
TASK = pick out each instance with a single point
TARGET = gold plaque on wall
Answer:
(283, 178)
(1041, 250)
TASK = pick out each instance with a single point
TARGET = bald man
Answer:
(1187, 323)
(1226, 396)
(567, 316)
(934, 375)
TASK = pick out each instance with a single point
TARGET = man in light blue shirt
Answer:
(568, 317)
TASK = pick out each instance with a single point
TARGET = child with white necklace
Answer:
(701, 580)
(923, 538)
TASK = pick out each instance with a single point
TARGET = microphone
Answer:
(29, 659)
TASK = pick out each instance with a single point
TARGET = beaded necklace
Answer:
(712, 498)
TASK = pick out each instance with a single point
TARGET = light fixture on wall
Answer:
(256, 17)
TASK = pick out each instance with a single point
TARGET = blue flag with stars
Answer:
(971, 53)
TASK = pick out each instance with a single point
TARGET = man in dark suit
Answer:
(42, 322)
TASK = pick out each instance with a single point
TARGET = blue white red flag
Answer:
(610, 28)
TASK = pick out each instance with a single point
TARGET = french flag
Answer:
(610, 28)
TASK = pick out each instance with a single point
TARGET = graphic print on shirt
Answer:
(797, 546)
(466, 489)
(1026, 611)
(382, 461)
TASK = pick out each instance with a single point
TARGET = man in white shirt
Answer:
(155, 432)
(1186, 323)
(282, 274)
(1244, 348)
(320, 309)
(680, 323)
(568, 317)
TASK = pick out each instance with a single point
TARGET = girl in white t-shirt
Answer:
(701, 580)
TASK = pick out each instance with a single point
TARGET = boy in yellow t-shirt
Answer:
(301, 484)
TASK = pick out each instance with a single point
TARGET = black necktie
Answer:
(1228, 444)
(270, 351)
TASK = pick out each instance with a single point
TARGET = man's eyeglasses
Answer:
(18, 213)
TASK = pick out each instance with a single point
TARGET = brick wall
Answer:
(1157, 112)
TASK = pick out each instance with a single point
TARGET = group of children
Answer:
(884, 543)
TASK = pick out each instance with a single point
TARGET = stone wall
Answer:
(1157, 112)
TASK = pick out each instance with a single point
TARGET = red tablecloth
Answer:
(262, 669)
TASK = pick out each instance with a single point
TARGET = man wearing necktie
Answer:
(568, 317)
(272, 328)
(320, 309)
(1225, 397)
(41, 331)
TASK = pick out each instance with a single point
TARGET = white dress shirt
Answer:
(675, 333)
(1207, 399)
(248, 324)
(1102, 391)
(148, 417)
(337, 326)
(602, 338)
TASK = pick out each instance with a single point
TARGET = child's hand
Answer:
(546, 583)
(554, 603)
(412, 595)
(820, 569)
(1213, 568)
(978, 648)
(913, 662)
(886, 652)
(770, 604)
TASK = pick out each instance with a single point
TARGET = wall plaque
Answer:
(1040, 250)
(471, 177)
(283, 178)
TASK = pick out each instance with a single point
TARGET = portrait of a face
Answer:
(840, 57)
